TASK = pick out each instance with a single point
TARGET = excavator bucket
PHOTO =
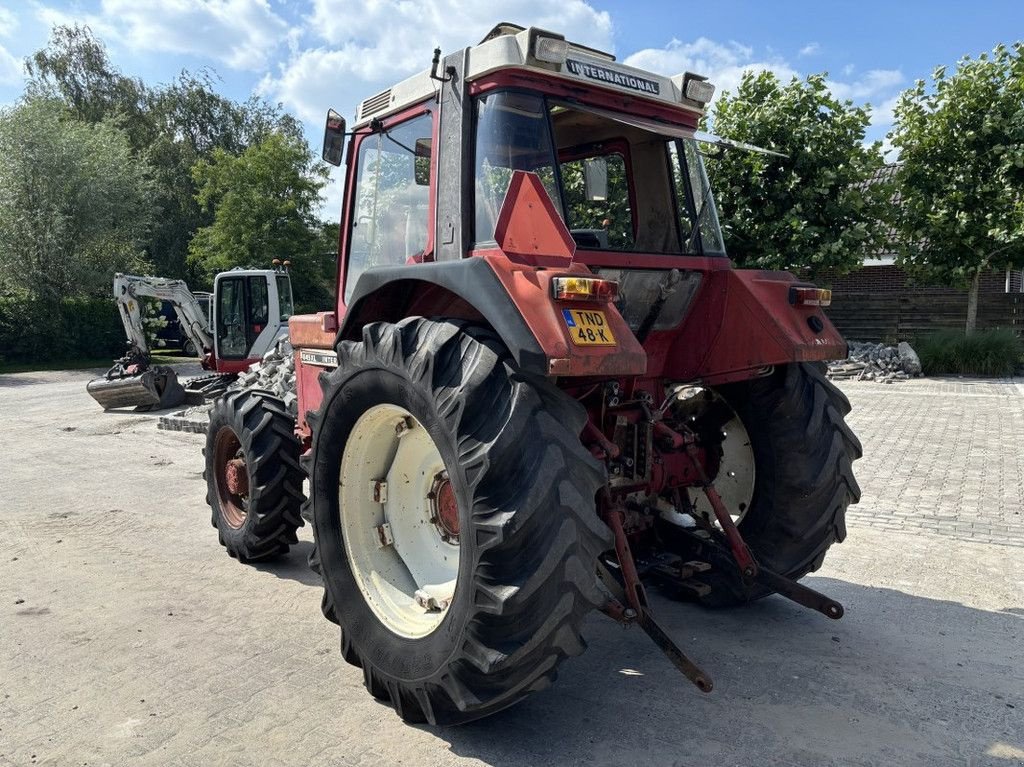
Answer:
(153, 389)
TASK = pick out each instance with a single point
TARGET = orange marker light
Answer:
(585, 289)
(810, 297)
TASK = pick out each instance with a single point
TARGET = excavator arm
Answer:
(129, 288)
(132, 381)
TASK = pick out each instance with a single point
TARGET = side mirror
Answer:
(334, 138)
(595, 179)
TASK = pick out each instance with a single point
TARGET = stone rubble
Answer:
(869, 361)
(274, 373)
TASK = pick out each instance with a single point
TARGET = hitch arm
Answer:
(748, 565)
(633, 595)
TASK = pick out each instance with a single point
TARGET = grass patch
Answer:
(994, 352)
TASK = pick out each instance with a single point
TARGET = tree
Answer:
(961, 181)
(75, 68)
(173, 126)
(813, 209)
(192, 122)
(262, 203)
(74, 202)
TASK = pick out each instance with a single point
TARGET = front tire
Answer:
(253, 476)
(528, 533)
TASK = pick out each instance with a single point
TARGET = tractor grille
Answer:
(375, 104)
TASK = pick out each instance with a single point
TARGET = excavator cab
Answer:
(251, 309)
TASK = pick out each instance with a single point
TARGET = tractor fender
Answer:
(743, 321)
(514, 299)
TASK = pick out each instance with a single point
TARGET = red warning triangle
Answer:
(529, 229)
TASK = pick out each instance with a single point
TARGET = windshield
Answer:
(619, 183)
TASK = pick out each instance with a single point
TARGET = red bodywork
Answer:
(739, 324)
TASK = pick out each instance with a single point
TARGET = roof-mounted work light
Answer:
(548, 47)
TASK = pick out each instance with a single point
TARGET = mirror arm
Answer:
(449, 72)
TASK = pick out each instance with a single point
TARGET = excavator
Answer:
(248, 316)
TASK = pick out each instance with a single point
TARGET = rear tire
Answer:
(253, 429)
(803, 453)
(529, 533)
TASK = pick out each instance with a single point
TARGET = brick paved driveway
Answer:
(128, 637)
(943, 456)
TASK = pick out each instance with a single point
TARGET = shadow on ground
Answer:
(293, 566)
(900, 680)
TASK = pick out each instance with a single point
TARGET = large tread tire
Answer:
(264, 430)
(530, 535)
(804, 453)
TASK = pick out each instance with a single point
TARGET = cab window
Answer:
(389, 220)
(231, 336)
(597, 201)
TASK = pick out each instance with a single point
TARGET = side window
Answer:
(260, 302)
(597, 201)
(231, 336)
(389, 220)
(284, 297)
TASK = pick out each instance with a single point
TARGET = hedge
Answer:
(993, 352)
(76, 328)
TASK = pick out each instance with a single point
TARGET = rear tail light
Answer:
(585, 289)
(810, 296)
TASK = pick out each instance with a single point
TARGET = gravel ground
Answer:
(127, 636)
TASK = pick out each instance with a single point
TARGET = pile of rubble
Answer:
(275, 373)
(869, 361)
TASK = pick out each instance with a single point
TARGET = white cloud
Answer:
(872, 84)
(723, 63)
(240, 33)
(810, 49)
(10, 68)
(8, 22)
(363, 47)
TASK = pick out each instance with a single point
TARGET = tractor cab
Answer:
(431, 161)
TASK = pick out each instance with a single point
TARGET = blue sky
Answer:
(313, 54)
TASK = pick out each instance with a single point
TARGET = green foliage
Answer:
(314, 272)
(74, 328)
(263, 203)
(813, 209)
(75, 203)
(994, 352)
(173, 126)
(961, 144)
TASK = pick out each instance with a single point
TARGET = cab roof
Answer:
(509, 46)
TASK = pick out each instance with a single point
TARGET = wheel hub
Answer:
(735, 472)
(236, 477)
(444, 508)
(399, 520)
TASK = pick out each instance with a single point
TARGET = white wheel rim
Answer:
(736, 473)
(405, 564)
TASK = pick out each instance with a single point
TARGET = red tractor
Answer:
(543, 385)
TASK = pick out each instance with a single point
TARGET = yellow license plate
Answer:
(588, 327)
